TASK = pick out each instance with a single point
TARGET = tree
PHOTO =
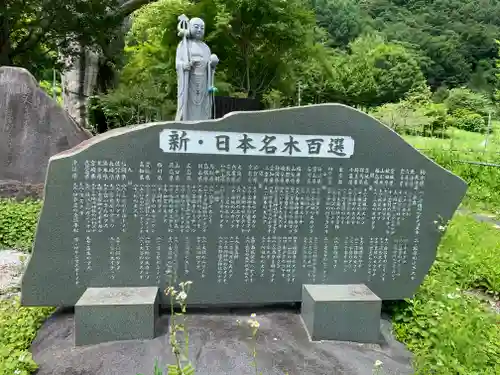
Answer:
(342, 19)
(261, 43)
(376, 72)
(34, 32)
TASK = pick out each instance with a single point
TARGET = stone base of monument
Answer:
(341, 312)
(114, 314)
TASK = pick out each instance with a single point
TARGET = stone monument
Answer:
(195, 67)
(321, 204)
(33, 127)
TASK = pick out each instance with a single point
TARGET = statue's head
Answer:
(196, 28)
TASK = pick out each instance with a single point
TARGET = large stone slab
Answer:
(219, 345)
(335, 198)
(33, 127)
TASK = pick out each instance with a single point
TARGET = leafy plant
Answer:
(182, 364)
(449, 330)
(483, 181)
(465, 99)
(466, 120)
(18, 222)
(50, 89)
(130, 105)
(18, 328)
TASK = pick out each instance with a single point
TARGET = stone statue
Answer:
(195, 67)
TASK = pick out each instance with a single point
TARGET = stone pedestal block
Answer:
(113, 314)
(341, 312)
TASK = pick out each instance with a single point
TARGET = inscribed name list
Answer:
(164, 202)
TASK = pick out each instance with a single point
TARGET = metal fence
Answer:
(227, 104)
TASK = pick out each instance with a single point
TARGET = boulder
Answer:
(33, 127)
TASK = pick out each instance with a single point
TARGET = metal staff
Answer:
(183, 30)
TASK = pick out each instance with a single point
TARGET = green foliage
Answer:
(483, 181)
(469, 262)
(18, 328)
(377, 72)
(466, 120)
(436, 113)
(462, 98)
(415, 114)
(273, 99)
(134, 104)
(441, 94)
(456, 37)
(342, 19)
(18, 222)
(449, 330)
(261, 42)
(371, 73)
(467, 109)
(39, 29)
(50, 89)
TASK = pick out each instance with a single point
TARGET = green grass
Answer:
(483, 194)
(449, 330)
(462, 140)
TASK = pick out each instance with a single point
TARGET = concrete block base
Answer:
(341, 312)
(113, 314)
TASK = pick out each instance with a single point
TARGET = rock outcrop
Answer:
(33, 127)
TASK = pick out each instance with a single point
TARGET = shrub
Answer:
(18, 222)
(466, 120)
(130, 105)
(50, 89)
(412, 117)
(436, 124)
(462, 98)
(18, 328)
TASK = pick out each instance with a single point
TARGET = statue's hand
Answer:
(187, 66)
(214, 60)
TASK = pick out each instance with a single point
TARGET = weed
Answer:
(18, 221)
(18, 328)
(448, 330)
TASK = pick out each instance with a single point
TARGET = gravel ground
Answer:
(11, 270)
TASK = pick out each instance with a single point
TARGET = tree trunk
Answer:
(78, 81)
(91, 74)
(4, 41)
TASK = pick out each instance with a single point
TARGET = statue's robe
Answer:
(194, 101)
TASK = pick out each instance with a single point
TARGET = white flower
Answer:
(253, 323)
(378, 364)
(181, 296)
(17, 372)
(441, 228)
(253, 316)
